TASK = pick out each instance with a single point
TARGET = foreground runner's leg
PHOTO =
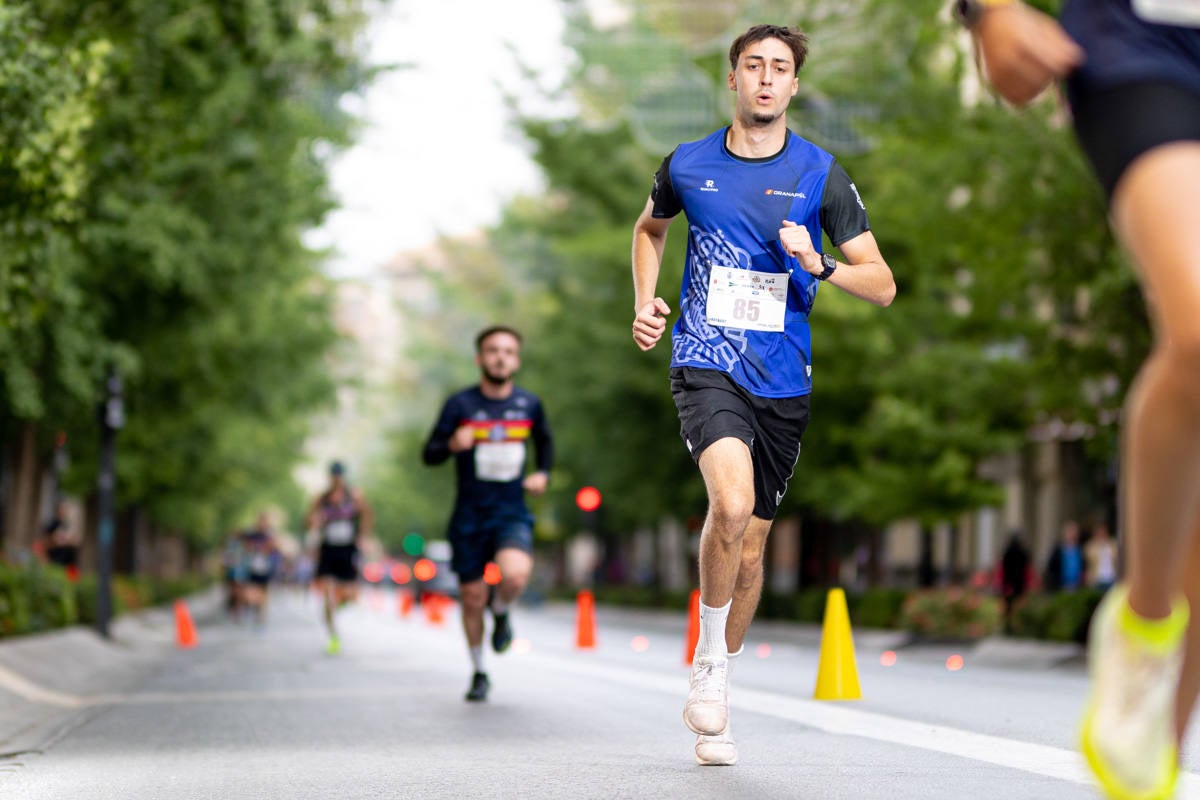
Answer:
(729, 478)
(515, 566)
(721, 749)
(1129, 732)
(473, 596)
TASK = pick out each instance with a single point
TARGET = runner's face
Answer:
(765, 81)
(499, 357)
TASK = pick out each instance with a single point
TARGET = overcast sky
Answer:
(437, 153)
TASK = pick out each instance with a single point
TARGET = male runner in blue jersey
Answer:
(1133, 82)
(487, 428)
(757, 199)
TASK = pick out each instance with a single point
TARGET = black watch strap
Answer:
(830, 264)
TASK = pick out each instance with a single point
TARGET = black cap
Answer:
(337, 468)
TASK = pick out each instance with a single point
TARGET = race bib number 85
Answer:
(742, 298)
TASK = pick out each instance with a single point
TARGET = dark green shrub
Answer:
(876, 608)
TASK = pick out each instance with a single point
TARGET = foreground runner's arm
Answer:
(543, 453)
(649, 239)
(448, 436)
(1023, 49)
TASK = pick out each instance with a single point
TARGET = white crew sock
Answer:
(499, 606)
(712, 631)
(477, 658)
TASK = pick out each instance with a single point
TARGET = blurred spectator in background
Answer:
(1100, 555)
(60, 540)
(1064, 570)
(1014, 574)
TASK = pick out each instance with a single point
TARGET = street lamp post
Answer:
(112, 418)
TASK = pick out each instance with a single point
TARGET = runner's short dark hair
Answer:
(792, 37)
(493, 330)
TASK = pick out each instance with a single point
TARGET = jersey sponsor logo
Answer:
(857, 196)
(800, 195)
(709, 186)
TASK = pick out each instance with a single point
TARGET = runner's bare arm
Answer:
(1023, 50)
(864, 274)
(649, 239)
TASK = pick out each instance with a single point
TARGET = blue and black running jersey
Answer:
(490, 474)
(1129, 41)
(736, 266)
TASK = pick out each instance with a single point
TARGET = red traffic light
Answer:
(588, 498)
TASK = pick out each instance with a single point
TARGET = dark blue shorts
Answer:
(475, 539)
(1139, 87)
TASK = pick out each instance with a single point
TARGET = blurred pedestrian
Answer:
(1014, 574)
(1100, 553)
(341, 521)
(60, 540)
(1064, 570)
(487, 428)
(1132, 70)
(757, 199)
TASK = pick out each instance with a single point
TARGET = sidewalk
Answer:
(48, 681)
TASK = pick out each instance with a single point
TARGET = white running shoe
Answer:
(707, 709)
(1128, 734)
(716, 751)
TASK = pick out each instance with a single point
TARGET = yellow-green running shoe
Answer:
(1128, 735)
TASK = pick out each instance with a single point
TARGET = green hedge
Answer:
(39, 597)
(1061, 617)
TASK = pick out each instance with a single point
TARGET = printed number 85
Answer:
(745, 309)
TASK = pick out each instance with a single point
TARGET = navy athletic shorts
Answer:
(476, 537)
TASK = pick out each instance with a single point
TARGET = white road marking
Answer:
(1053, 762)
(28, 690)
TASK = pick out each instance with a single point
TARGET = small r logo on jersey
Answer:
(709, 186)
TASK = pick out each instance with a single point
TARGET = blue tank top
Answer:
(735, 208)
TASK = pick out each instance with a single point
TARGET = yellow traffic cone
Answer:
(837, 670)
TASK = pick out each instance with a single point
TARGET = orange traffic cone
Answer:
(405, 605)
(837, 668)
(185, 629)
(585, 620)
(693, 630)
(433, 610)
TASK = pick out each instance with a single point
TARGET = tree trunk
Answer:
(21, 505)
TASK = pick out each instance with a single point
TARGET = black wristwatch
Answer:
(830, 264)
(969, 12)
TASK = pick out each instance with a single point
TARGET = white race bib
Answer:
(1169, 12)
(741, 298)
(499, 461)
(260, 564)
(339, 532)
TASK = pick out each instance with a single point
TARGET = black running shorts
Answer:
(339, 562)
(1117, 124)
(711, 407)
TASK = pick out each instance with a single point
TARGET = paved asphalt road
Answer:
(265, 714)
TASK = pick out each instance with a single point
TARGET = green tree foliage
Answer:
(47, 100)
(205, 161)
